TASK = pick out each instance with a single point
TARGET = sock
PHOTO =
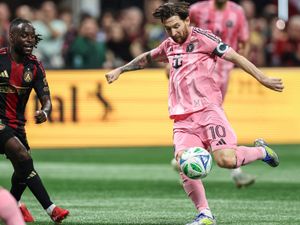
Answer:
(207, 212)
(38, 190)
(17, 187)
(235, 172)
(50, 209)
(196, 192)
(34, 183)
(9, 211)
(246, 155)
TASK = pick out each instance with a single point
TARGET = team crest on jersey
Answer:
(27, 76)
(229, 23)
(207, 21)
(190, 47)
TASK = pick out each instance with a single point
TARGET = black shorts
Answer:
(7, 132)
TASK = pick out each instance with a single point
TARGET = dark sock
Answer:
(34, 183)
(17, 187)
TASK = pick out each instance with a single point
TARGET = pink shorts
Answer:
(208, 128)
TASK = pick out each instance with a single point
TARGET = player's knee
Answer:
(226, 162)
(225, 159)
(16, 151)
(22, 155)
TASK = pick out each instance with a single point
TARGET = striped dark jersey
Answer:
(16, 83)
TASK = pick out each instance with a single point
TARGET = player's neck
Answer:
(220, 6)
(15, 56)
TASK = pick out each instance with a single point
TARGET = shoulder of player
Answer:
(198, 6)
(37, 63)
(236, 7)
(201, 33)
(34, 60)
(167, 42)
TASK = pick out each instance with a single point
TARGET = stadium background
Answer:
(109, 163)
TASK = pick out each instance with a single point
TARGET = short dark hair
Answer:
(170, 9)
(17, 21)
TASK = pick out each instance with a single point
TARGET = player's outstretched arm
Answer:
(274, 84)
(138, 63)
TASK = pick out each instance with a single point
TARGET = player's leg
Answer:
(196, 192)
(193, 188)
(17, 185)
(223, 143)
(24, 169)
(242, 179)
(9, 211)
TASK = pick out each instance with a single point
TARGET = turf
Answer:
(122, 186)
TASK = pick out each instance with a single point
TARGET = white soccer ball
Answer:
(196, 162)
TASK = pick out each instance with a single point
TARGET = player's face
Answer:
(23, 39)
(177, 28)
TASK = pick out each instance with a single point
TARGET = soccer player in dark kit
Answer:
(20, 72)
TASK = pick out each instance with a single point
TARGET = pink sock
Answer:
(196, 192)
(246, 155)
(9, 211)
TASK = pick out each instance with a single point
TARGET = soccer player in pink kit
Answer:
(227, 20)
(9, 210)
(195, 100)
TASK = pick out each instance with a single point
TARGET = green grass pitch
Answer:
(123, 186)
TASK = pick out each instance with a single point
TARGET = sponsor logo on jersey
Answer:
(7, 89)
(4, 74)
(221, 142)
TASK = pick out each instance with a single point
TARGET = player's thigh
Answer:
(184, 140)
(184, 135)
(218, 133)
(5, 134)
(11, 145)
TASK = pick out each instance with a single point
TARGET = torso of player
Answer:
(191, 85)
(229, 24)
(16, 83)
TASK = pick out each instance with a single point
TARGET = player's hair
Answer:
(170, 9)
(17, 21)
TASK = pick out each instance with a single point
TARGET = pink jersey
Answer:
(229, 24)
(191, 83)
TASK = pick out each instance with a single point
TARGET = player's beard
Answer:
(182, 38)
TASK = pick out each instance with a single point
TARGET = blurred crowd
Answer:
(118, 36)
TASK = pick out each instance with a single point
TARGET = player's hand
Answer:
(274, 84)
(40, 116)
(113, 75)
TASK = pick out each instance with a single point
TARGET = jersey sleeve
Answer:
(159, 53)
(211, 43)
(40, 84)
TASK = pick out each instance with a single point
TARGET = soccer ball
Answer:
(196, 162)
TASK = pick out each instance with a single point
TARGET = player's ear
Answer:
(187, 21)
